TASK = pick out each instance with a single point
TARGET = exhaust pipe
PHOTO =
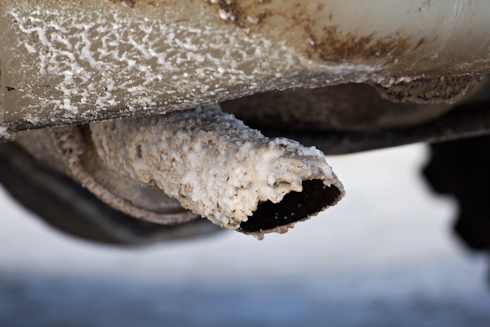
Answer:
(220, 169)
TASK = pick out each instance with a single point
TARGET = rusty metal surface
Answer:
(466, 121)
(439, 90)
(346, 107)
(412, 38)
(65, 62)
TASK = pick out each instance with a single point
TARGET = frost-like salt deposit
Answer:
(98, 60)
(211, 162)
(6, 134)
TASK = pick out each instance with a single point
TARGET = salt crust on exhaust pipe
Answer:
(220, 168)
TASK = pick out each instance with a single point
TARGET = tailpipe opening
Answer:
(294, 207)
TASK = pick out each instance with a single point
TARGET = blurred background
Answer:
(384, 256)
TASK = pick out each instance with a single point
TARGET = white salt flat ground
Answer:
(384, 256)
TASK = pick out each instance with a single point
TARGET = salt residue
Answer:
(6, 134)
(210, 161)
(78, 62)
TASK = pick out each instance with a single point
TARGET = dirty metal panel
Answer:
(65, 62)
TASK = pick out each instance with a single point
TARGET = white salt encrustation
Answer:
(220, 168)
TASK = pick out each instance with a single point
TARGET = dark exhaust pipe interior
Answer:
(295, 206)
